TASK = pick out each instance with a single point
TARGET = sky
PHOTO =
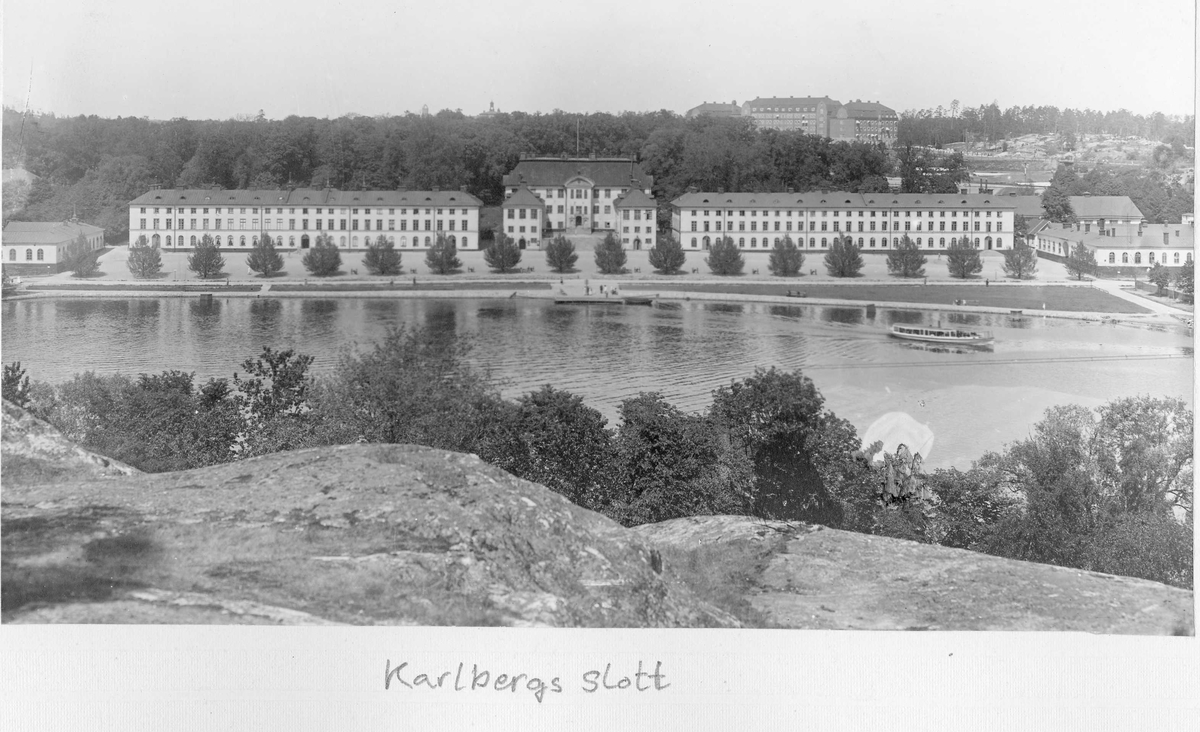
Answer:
(223, 58)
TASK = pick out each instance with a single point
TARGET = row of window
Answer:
(230, 241)
(1137, 257)
(304, 210)
(812, 226)
(182, 224)
(836, 212)
(868, 243)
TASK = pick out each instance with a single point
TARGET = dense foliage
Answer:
(610, 255)
(560, 254)
(1160, 276)
(502, 254)
(906, 259)
(144, 261)
(323, 259)
(844, 258)
(264, 258)
(667, 254)
(381, 257)
(1020, 262)
(724, 258)
(206, 260)
(786, 258)
(962, 258)
(442, 257)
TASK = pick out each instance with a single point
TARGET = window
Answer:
(141, 225)
(28, 255)
(1124, 257)
(1176, 257)
(41, 255)
(1112, 257)
(1151, 256)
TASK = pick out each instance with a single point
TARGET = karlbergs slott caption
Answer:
(477, 679)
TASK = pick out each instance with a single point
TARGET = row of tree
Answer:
(1107, 490)
(940, 126)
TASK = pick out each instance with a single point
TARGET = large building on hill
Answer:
(715, 109)
(579, 193)
(856, 121)
(875, 221)
(177, 218)
(44, 247)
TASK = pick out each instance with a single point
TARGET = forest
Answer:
(91, 167)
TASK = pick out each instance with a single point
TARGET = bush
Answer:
(667, 255)
(1020, 261)
(144, 261)
(962, 259)
(843, 258)
(381, 257)
(610, 256)
(503, 255)
(786, 259)
(206, 260)
(264, 258)
(724, 258)
(442, 257)
(560, 254)
(906, 259)
(323, 259)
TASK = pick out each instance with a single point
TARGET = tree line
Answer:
(1108, 489)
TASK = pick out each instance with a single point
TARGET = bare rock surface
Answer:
(815, 577)
(389, 534)
(36, 452)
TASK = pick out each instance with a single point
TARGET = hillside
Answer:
(398, 534)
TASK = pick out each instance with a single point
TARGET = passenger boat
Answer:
(928, 334)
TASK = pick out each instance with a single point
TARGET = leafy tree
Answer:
(206, 260)
(1160, 276)
(81, 259)
(802, 453)
(1185, 280)
(324, 258)
(668, 464)
(786, 259)
(1057, 205)
(610, 255)
(277, 383)
(724, 258)
(15, 386)
(264, 258)
(144, 261)
(556, 440)
(560, 254)
(667, 255)
(381, 257)
(962, 259)
(843, 258)
(414, 386)
(503, 255)
(906, 259)
(442, 257)
(1020, 261)
(1082, 261)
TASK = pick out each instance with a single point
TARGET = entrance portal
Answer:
(304, 242)
(521, 243)
(579, 221)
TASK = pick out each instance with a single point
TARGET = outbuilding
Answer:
(45, 247)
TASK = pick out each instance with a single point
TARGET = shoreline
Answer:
(541, 289)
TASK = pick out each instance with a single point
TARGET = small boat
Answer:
(639, 300)
(939, 334)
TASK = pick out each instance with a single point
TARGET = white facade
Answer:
(579, 193)
(178, 219)
(875, 221)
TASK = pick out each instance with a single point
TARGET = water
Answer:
(972, 400)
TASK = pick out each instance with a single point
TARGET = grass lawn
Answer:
(213, 286)
(1055, 297)
(406, 286)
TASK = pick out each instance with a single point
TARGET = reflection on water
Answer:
(973, 399)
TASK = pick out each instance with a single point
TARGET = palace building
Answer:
(579, 193)
(177, 218)
(874, 221)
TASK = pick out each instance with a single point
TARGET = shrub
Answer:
(323, 259)
(724, 258)
(786, 259)
(264, 258)
(381, 257)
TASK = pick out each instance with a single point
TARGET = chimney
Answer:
(721, 191)
(436, 189)
(791, 190)
(691, 189)
(1139, 228)
(462, 189)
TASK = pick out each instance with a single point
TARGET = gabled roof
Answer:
(791, 102)
(1107, 207)
(46, 232)
(869, 110)
(602, 172)
(523, 198)
(715, 108)
(842, 200)
(1182, 236)
(301, 197)
(634, 198)
(1027, 206)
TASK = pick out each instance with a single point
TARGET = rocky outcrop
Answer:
(814, 577)
(397, 534)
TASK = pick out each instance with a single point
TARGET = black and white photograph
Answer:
(454, 348)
